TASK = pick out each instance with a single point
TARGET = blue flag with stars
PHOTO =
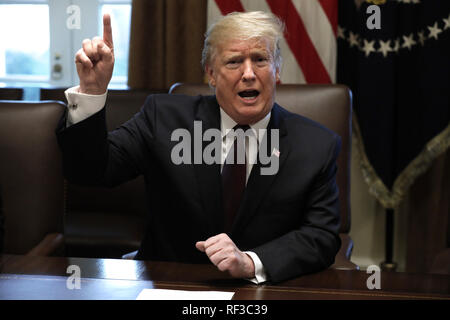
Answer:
(395, 57)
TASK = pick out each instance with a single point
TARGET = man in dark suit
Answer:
(253, 225)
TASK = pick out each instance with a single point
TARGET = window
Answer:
(120, 20)
(24, 42)
(39, 39)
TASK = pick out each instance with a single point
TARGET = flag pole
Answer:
(389, 264)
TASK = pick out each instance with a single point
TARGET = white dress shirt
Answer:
(81, 106)
(251, 153)
(251, 150)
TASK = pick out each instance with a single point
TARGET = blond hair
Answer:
(244, 26)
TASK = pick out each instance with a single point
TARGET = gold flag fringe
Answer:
(391, 199)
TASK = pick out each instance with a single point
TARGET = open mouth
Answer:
(249, 94)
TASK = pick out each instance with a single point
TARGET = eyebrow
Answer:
(235, 55)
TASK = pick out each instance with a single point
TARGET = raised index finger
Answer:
(107, 31)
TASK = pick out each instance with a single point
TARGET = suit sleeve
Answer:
(314, 245)
(92, 156)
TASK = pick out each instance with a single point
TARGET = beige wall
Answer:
(368, 224)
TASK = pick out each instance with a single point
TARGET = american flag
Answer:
(309, 46)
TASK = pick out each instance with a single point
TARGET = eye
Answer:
(261, 60)
(233, 63)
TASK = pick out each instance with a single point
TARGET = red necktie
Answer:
(233, 181)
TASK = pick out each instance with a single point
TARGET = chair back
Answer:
(122, 104)
(31, 176)
(329, 105)
(105, 222)
(11, 93)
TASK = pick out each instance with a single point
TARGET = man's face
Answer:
(244, 75)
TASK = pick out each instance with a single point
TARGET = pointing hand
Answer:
(95, 61)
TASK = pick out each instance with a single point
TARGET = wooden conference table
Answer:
(32, 277)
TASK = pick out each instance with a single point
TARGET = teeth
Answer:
(249, 98)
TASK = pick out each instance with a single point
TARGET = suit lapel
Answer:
(208, 176)
(259, 184)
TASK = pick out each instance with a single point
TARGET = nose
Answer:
(248, 74)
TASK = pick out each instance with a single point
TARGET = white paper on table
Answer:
(166, 294)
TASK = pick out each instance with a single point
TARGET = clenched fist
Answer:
(224, 254)
(95, 61)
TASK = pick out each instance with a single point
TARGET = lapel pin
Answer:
(276, 152)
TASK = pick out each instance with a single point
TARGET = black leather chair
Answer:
(330, 105)
(105, 222)
(31, 181)
(11, 93)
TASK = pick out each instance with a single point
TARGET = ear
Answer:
(277, 75)
(211, 75)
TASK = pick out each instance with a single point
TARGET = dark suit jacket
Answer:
(290, 220)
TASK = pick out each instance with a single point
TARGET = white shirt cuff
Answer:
(82, 106)
(260, 274)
